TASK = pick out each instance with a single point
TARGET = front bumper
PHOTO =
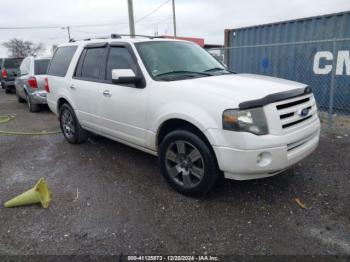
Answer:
(262, 156)
(39, 97)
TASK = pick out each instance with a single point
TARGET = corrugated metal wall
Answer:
(315, 51)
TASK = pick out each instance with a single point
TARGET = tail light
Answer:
(4, 73)
(47, 87)
(32, 82)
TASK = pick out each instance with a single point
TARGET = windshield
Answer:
(13, 62)
(175, 59)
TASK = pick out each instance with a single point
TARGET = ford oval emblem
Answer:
(304, 112)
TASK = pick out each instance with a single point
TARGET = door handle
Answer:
(107, 93)
(72, 87)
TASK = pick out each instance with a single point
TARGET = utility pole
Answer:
(174, 18)
(131, 18)
(68, 30)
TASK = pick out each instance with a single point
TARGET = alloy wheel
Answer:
(184, 163)
(28, 102)
(68, 126)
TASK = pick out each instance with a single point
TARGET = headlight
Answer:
(251, 120)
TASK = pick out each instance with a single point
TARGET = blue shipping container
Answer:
(314, 50)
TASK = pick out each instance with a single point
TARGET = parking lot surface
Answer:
(111, 199)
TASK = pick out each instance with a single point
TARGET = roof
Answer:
(137, 39)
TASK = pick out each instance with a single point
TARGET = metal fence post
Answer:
(331, 93)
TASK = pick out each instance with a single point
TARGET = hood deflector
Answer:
(275, 98)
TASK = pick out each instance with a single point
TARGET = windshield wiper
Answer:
(219, 69)
(215, 69)
(182, 72)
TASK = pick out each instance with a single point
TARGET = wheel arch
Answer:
(61, 101)
(173, 116)
(172, 124)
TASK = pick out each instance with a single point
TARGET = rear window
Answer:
(61, 60)
(13, 62)
(40, 66)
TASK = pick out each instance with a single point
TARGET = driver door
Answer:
(123, 107)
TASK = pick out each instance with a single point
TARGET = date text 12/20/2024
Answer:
(173, 258)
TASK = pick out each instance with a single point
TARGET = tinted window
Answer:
(13, 62)
(92, 65)
(119, 58)
(61, 60)
(80, 64)
(40, 66)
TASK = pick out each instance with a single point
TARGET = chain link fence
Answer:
(324, 65)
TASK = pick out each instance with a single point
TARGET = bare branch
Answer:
(19, 48)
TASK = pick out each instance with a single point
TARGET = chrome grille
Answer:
(291, 111)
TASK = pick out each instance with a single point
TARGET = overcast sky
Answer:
(197, 18)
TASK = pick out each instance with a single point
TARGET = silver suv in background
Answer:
(30, 85)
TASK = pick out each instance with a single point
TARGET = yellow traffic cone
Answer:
(40, 193)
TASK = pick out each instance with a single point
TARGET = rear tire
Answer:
(70, 126)
(20, 99)
(187, 163)
(31, 106)
(7, 90)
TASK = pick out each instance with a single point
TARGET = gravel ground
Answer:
(111, 199)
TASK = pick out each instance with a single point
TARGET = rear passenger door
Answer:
(123, 107)
(88, 75)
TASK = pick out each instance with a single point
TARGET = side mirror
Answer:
(124, 76)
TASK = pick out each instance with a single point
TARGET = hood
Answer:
(239, 87)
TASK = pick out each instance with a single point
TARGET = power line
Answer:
(153, 11)
(59, 26)
(64, 26)
(30, 27)
(82, 25)
(158, 22)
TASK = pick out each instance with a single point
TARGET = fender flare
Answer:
(189, 113)
(65, 98)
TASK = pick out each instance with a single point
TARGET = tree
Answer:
(19, 48)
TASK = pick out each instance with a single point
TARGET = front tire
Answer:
(188, 163)
(70, 126)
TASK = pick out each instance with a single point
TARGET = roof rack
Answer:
(115, 36)
(121, 35)
(87, 39)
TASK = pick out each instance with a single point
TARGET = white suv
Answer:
(173, 99)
